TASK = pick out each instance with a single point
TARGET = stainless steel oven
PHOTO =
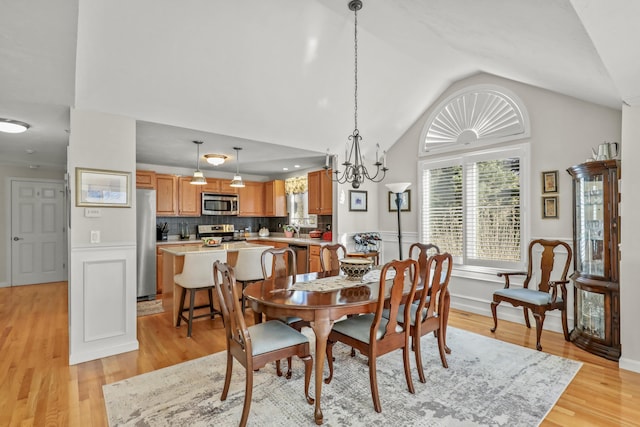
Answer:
(219, 204)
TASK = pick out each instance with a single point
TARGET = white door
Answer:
(38, 234)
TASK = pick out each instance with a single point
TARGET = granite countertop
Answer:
(292, 240)
(233, 246)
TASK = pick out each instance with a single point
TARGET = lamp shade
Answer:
(398, 187)
(237, 182)
(198, 178)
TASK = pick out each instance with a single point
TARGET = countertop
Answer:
(233, 246)
(293, 240)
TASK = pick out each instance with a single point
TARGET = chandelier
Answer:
(355, 171)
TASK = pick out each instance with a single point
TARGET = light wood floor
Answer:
(38, 387)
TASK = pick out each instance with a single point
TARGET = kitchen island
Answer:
(173, 262)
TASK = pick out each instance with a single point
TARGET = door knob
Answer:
(18, 238)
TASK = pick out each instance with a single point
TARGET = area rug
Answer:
(488, 383)
(149, 307)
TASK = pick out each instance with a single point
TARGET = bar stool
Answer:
(197, 275)
(248, 268)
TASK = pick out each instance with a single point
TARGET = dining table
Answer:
(320, 299)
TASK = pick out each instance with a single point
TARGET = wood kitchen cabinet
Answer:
(166, 195)
(146, 179)
(188, 197)
(251, 199)
(219, 186)
(320, 192)
(314, 258)
(275, 200)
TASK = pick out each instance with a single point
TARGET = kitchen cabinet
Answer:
(275, 200)
(219, 186)
(166, 195)
(320, 192)
(596, 277)
(188, 197)
(251, 199)
(275, 244)
(146, 179)
(314, 258)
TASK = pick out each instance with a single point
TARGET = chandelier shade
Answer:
(355, 172)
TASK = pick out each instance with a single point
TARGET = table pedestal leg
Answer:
(321, 327)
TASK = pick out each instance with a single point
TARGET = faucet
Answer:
(296, 229)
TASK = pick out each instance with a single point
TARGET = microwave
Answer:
(219, 204)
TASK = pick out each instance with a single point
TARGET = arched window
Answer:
(475, 116)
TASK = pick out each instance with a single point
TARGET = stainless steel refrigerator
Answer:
(146, 243)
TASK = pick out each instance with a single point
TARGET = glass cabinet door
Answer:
(590, 319)
(590, 225)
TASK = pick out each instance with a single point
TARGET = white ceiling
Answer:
(276, 77)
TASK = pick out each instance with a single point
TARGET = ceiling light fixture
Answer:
(355, 171)
(215, 159)
(13, 126)
(198, 177)
(237, 179)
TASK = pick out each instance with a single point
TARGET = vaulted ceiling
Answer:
(277, 77)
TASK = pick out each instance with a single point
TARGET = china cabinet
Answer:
(596, 278)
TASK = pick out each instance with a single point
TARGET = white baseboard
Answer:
(85, 356)
(629, 364)
(4, 284)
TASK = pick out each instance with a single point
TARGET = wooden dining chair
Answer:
(374, 335)
(543, 297)
(279, 272)
(256, 345)
(428, 314)
(330, 258)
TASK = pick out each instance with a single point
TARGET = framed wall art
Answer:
(357, 200)
(550, 207)
(550, 182)
(406, 202)
(97, 187)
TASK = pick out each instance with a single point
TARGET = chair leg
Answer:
(494, 312)
(211, 307)
(415, 340)
(539, 321)
(526, 317)
(248, 389)
(308, 367)
(407, 366)
(227, 376)
(289, 361)
(442, 348)
(373, 382)
(182, 296)
(329, 360)
(243, 298)
(565, 329)
(192, 300)
(278, 370)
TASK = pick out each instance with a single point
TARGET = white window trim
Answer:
(521, 150)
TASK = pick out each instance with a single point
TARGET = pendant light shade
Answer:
(198, 177)
(237, 179)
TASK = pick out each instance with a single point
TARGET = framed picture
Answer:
(550, 207)
(406, 201)
(550, 182)
(96, 187)
(357, 200)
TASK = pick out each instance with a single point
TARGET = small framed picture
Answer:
(550, 182)
(550, 207)
(357, 200)
(406, 202)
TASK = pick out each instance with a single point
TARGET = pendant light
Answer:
(198, 176)
(237, 179)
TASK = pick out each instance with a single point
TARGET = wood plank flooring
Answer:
(38, 387)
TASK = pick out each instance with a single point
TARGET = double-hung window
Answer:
(472, 206)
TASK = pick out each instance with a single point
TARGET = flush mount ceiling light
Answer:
(237, 179)
(198, 176)
(215, 159)
(355, 171)
(13, 126)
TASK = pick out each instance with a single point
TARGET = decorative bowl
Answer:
(355, 268)
(212, 241)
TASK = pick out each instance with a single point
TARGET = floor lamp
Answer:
(399, 188)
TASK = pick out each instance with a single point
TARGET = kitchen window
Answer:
(297, 192)
(472, 206)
